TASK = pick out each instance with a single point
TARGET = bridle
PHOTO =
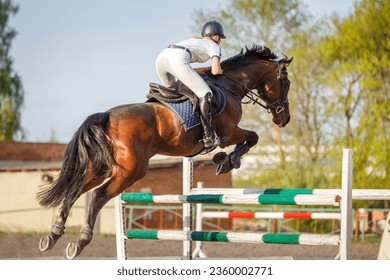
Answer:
(279, 105)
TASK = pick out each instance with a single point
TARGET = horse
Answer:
(111, 150)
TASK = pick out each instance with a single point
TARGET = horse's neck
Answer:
(231, 83)
(245, 78)
(251, 75)
(242, 80)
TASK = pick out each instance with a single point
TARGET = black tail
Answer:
(91, 148)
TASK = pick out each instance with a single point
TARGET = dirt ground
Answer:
(18, 246)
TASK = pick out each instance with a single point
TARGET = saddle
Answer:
(179, 96)
(175, 94)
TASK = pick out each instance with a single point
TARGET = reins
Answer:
(278, 105)
(249, 93)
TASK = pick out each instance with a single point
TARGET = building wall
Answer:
(20, 211)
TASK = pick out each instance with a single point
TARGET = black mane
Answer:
(255, 51)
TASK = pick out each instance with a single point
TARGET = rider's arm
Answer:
(201, 70)
(216, 66)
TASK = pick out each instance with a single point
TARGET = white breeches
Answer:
(174, 64)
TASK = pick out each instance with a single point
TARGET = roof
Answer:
(21, 156)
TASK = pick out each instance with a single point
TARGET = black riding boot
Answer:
(210, 138)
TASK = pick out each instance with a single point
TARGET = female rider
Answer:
(173, 63)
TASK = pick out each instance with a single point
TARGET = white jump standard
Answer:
(266, 197)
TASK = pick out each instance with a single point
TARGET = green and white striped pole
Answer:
(263, 199)
(236, 237)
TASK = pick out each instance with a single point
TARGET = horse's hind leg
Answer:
(99, 199)
(100, 196)
(57, 230)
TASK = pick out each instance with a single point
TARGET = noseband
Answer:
(279, 105)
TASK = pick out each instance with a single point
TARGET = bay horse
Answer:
(111, 150)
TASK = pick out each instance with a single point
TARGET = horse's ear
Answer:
(285, 61)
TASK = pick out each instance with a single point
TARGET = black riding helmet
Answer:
(212, 28)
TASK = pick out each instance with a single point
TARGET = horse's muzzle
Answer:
(281, 120)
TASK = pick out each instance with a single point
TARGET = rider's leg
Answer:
(179, 66)
(164, 69)
(210, 138)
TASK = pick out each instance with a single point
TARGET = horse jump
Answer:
(344, 240)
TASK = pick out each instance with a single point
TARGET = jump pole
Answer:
(357, 194)
(188, 168)
(271, 215)
(235, 237)
(262, 199)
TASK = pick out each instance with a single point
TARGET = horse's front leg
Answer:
(245, 140)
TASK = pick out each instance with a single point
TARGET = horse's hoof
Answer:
(46, 243)
(224, 168)
(72, 250)
(235, 162)
(220, 158)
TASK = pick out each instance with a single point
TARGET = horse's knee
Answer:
(254, 138)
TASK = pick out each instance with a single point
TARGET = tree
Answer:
(359, 54)
(284, 26)
(257, 21)
(11, 90)
(339, 95)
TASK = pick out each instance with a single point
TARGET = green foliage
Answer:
(359, 61)
(256, 21)
(11, 90)
(313, 226)
(339, 95)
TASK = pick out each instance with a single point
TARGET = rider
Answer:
(174, 63)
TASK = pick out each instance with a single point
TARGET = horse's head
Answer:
(274, 91)
(257, 69)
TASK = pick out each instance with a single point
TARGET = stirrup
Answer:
(211, 140)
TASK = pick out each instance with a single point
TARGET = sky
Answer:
(76, 58)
